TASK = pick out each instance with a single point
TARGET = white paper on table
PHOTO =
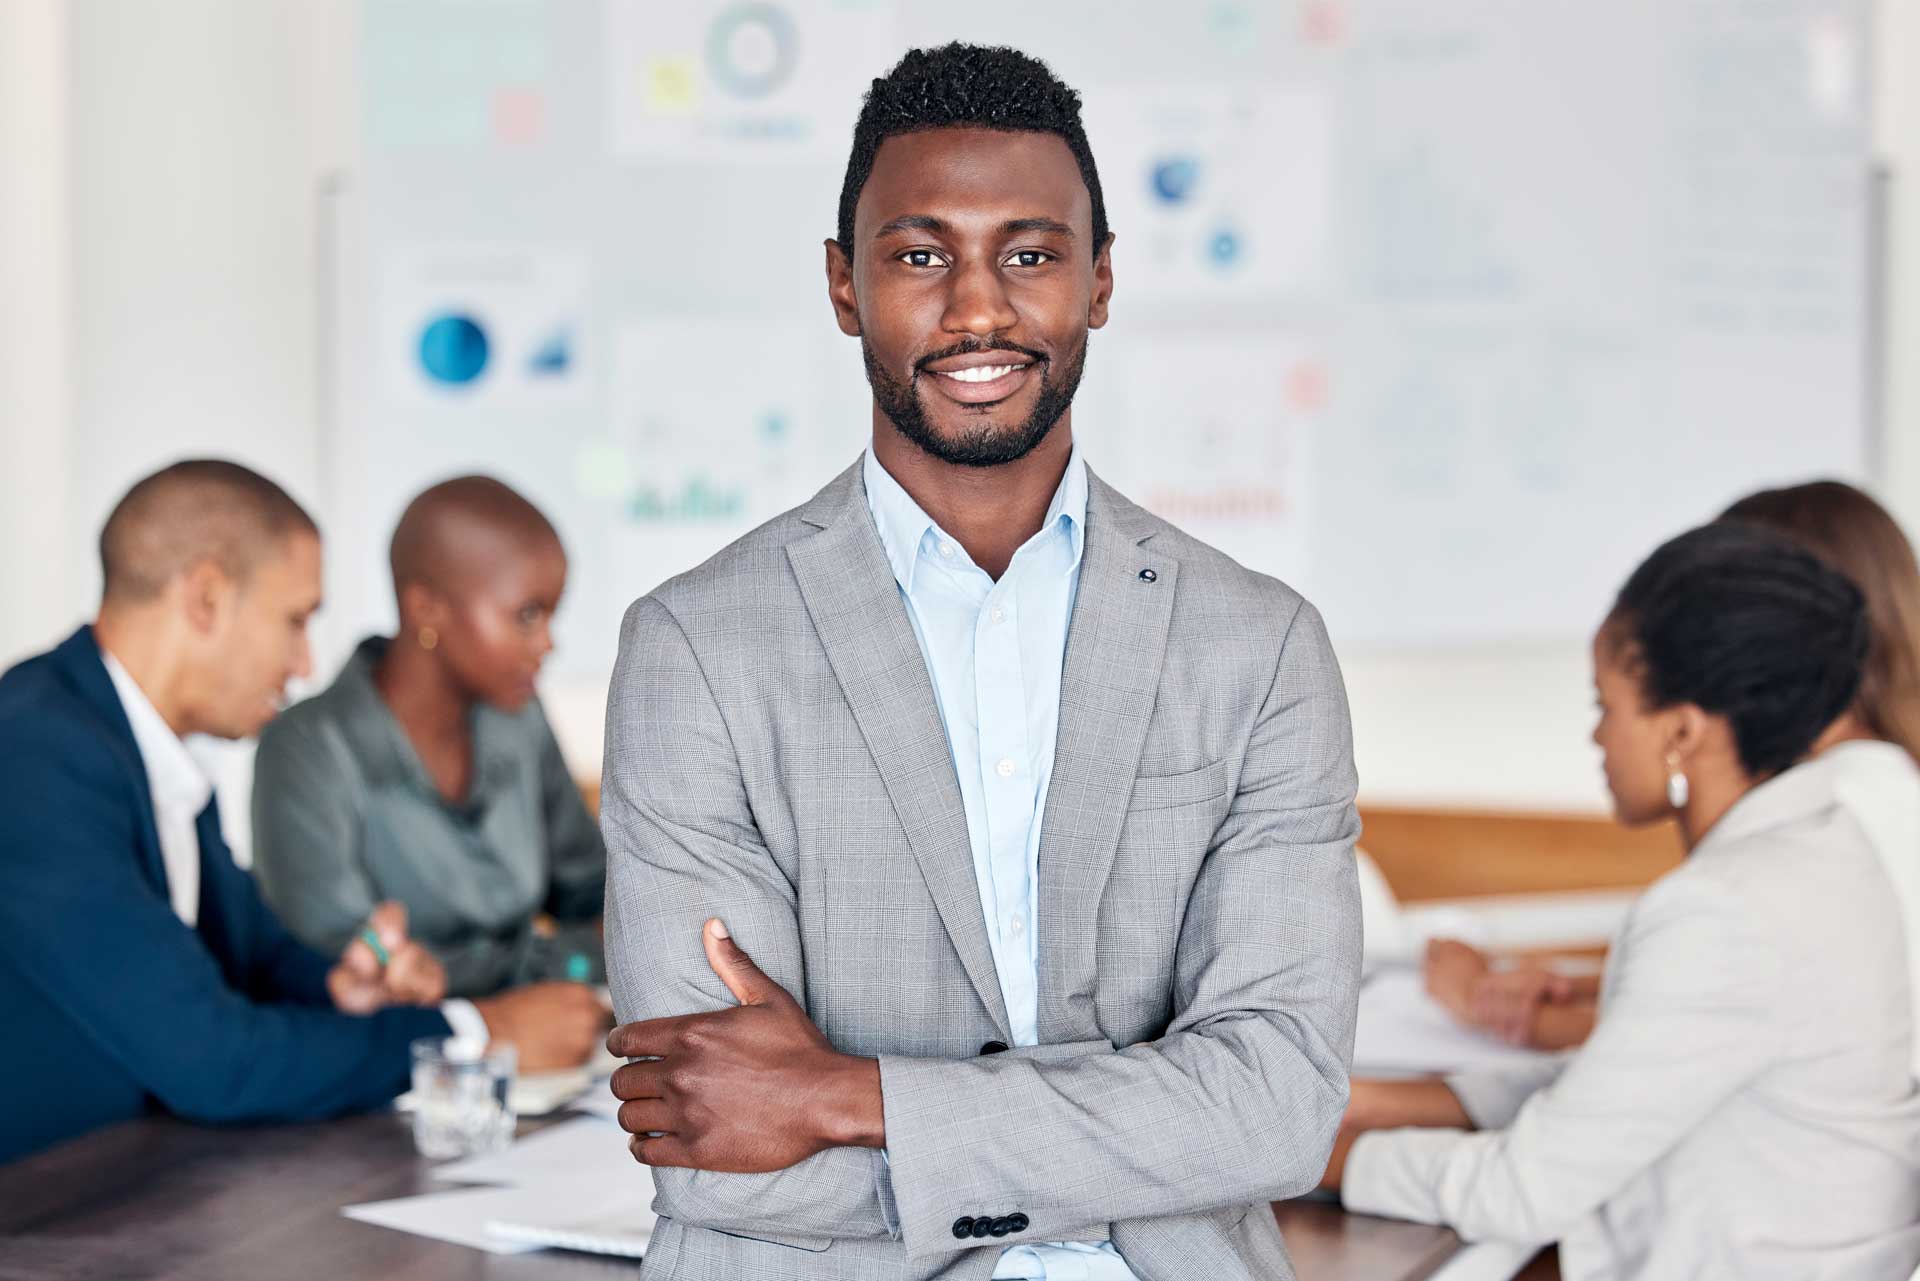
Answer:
(461, 1216)
(584, 1146)
(570, 1180)
(1402, 1030)
(620, 1230)
(543, 1093)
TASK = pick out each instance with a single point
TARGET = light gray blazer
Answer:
(775, 758)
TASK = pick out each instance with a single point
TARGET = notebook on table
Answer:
(617, 1232)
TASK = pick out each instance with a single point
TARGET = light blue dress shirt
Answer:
(994, 652)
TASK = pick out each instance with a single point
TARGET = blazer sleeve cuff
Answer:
(1396, 1173)
(950, 1158)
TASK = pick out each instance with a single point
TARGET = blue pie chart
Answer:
(453, 349)
(1174, 178)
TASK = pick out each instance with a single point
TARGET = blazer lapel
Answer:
(79, 659)
(856, 609)
(1115, 646)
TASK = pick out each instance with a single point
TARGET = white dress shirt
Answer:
(1745, 1106)
(994, 652)
(181, 790)
(179, 787)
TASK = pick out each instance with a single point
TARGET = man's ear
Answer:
(840, 291)
(1102, 285)
(206, 593)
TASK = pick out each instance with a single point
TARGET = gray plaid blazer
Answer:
(775, 758)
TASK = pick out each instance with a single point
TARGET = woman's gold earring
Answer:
(1677, 788)
(428, 638)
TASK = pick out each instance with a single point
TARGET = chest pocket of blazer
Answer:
(1169, 791)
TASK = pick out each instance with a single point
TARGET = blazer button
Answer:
(1017, 1222)
(981, 1227)
(963, 1227)
(994, 1047)
(1001, 1226)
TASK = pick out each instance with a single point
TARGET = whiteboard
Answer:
(1446, 314)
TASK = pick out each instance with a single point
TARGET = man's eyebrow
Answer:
(1013, 226)
(1051, 226)
(911, 222)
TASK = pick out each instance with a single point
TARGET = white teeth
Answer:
(980, 373)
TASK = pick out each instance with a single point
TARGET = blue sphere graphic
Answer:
(453, 349)
(1175, 178)
(1224, 247)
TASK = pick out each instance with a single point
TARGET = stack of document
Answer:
(573, 1185)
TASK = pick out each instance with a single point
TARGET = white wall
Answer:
(168, 247)
(37, 594)
(193, 236)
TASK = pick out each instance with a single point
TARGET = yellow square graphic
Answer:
(672, 86)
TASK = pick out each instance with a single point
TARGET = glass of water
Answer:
(460, 1092)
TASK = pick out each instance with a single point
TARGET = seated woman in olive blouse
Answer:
(427, 773)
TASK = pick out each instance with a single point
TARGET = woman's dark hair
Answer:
(1745, 624)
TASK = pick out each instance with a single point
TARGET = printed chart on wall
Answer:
(1444, 313)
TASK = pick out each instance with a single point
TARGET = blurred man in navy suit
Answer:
(139, 968)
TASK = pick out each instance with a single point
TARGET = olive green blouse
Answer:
(345, 815)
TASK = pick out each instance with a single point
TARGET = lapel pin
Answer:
(1148, 576)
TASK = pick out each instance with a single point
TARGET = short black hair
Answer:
(961, 86)
(1745, 623)
(197, 510)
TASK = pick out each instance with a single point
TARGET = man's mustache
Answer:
(973, 348)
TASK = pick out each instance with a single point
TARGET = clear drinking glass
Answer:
(460, 1095)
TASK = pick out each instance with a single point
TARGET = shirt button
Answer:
(999, 615)
(1005, 768)
(946, 549)
(1016, 927)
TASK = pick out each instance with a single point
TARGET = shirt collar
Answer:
(903, 525)
(178, 784)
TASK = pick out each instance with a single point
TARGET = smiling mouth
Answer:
(982, 384)
(981, 373)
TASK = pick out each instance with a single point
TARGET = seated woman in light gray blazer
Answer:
(427, 773)
(1875, 746)
(1744, 1106)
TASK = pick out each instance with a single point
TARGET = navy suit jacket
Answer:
(110, 1005)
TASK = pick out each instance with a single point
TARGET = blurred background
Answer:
(1445, 313)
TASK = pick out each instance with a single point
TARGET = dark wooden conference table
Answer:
(157, 1200)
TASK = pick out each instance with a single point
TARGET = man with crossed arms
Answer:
(1018, 823)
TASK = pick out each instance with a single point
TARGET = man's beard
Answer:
(982, 445)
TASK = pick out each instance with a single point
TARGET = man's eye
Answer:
(919, 258)
(1031, 258)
